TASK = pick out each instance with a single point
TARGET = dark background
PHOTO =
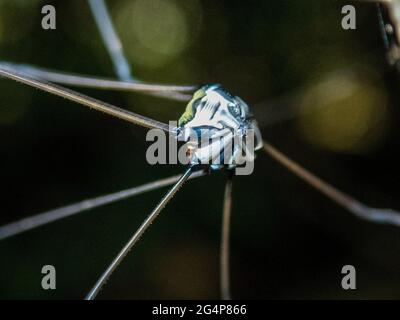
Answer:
(288, 241)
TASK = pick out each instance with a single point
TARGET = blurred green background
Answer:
(283, 58)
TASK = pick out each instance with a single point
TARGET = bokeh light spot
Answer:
(348, 115)
(153, 31)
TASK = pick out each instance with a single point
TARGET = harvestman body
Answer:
(217, 126)
(210, 108)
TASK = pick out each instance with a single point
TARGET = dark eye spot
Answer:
(234, 110)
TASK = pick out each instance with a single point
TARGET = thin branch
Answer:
(174, 92)
(110, 39)
(41, 219)
(86, 101)
(153, 215)
(384, 216)
(224, 250)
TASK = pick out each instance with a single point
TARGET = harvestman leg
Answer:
(378, 215)
(359, 209)
(153, 215)
(87, 101)
(225, 234)
(173, 92)
(44, 218)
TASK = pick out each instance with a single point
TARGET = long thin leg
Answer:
(356, 207)
(41, 219)
(110, 39)
(153, 215)
(72, 79)
(86, 101)
(224, 250)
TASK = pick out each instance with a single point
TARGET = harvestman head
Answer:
(217, 126)
(208, 102)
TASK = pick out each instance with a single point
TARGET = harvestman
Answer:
(45, 80)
